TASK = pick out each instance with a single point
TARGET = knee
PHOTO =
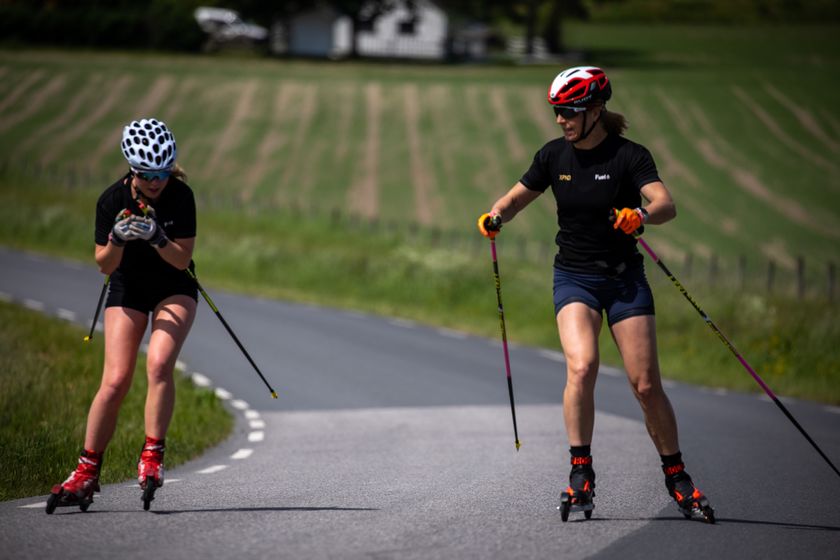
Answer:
(647, 393)
(158, 371)
(581, 373)
(114, 387)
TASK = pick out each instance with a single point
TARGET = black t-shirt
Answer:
(586, 185)
(175, 213)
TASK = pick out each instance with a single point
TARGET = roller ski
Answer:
(690, 501)
(578, 495)
(78, 489)
(150, 470)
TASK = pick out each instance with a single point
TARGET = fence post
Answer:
(771, 275)
(800, 277)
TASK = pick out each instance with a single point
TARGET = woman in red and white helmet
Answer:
(145, 234)
(595, 173)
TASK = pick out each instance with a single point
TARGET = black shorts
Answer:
(622, 296)
(145, 297)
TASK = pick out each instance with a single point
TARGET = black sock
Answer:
(580, 450)
(671, 460)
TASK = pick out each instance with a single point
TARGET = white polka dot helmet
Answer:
(148, 145)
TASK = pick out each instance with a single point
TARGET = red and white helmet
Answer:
(579, 86)
(149, 145)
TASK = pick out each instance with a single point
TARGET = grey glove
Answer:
(148, 229)
(121, 232)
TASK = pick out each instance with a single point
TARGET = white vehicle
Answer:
(225, 26)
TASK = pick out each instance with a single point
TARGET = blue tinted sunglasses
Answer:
(152, 175)
(567, 112)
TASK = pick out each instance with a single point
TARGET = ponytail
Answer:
(614, 123)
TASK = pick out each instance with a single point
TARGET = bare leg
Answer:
(171, 322)
(124, 330)
(578, 326)
(636, 340)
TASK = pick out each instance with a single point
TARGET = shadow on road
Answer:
(718, 521)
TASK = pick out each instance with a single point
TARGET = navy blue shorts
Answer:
(622, 296)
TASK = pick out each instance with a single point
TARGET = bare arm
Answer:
(516, 199)
(660, 206)
(178, 252)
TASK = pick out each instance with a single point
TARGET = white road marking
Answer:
(242, 454)
(200, 379)
(453, 334)
(213, 469)
(33, 304)
(833, 409)
(180, 366)
(34, 506)
(257, 424)
(66, 314)
(251, 414)
(553, 355)
(256, 436)
(402, 323)
(239, 404)
(223, 394)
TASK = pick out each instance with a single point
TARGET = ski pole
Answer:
(504, 337)
(212, 305)
(732, 349)
(98, 307)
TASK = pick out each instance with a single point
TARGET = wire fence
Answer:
(806, 279)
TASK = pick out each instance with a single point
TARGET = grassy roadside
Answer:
(47, 380)
(283, 254)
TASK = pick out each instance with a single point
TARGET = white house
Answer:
(401, 32)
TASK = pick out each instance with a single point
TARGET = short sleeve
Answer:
(105, 215)
(537, 178)
(643, 168)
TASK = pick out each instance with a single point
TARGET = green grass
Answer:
(47, 380)
(742, 122)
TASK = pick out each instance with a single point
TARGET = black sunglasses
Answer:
(567, 112)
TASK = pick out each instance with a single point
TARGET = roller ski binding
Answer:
(578, 496)
(690, 501)
(78, 489)
(150, 470)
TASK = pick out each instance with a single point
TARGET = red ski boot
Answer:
(150, 469)
(79, 487)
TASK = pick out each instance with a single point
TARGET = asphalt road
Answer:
(394, 440)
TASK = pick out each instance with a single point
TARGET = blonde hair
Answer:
(179, 173)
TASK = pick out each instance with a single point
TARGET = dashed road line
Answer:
(33, 304)
(242, 454)
(256, 436)
(213, 469)
(66, 314)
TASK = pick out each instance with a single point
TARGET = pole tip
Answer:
(273, 395)
(86, 339)
(518, 445)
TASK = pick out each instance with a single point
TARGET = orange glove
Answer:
(629, 219)
(489, 225)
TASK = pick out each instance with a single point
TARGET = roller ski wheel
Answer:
(578, 495)
(690, 501)
(149, 487)
(59, 497)
(150, 469)
(580, 501)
